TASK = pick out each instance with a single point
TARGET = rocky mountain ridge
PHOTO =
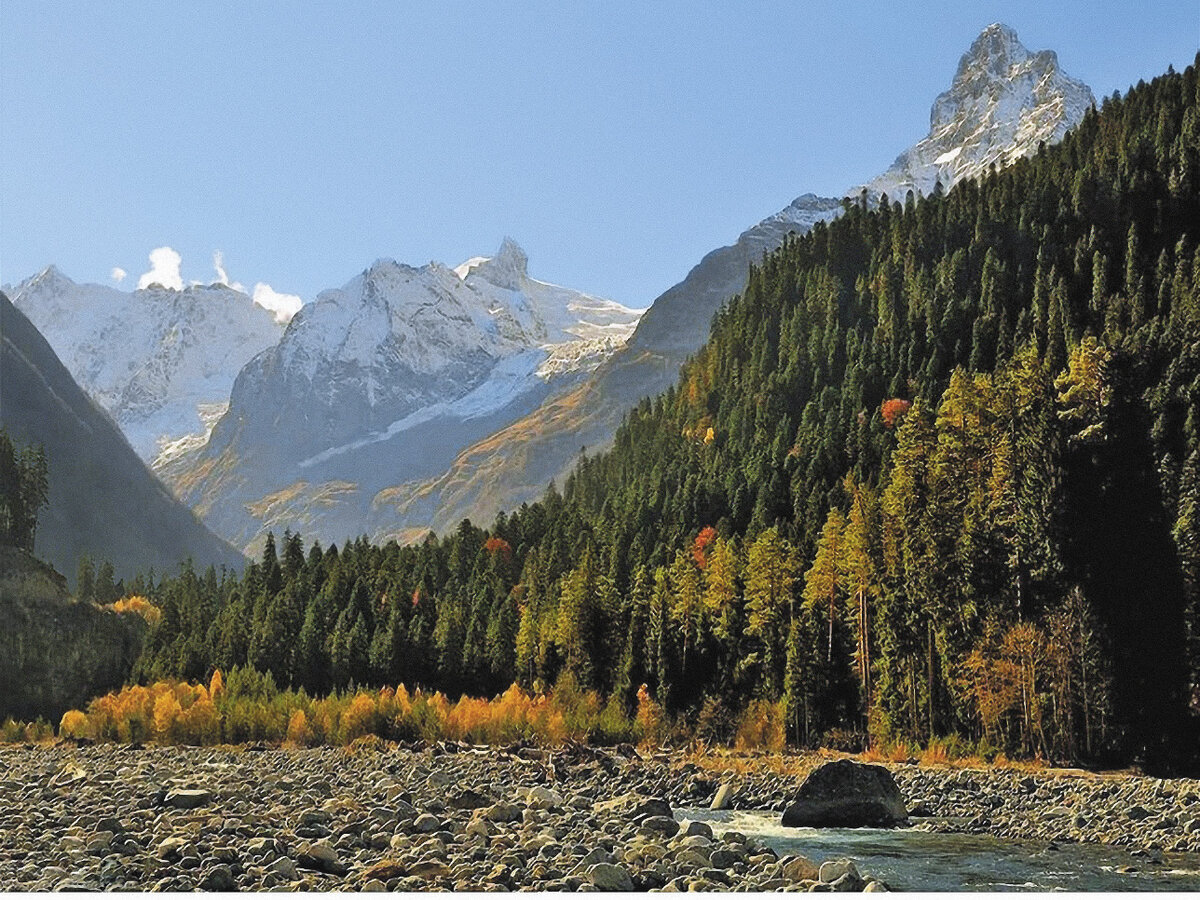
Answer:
(388, 378)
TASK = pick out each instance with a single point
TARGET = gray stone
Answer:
(541, 797)
(321, 857)
(427, 824)
(468, 799)
(219, 878)
(850, 883)
(723, 859)
(661, 825)
(503, 812)
(834, 869)
(610, 877)
(846, 794)
(188, 799)
(723, 799)
(594, 856)
(315, 817)
(284, 868)
(691, 828)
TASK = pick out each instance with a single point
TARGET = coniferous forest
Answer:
(936, 473)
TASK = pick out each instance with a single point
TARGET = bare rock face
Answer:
(846, 794)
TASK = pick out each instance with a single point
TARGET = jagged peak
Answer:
(386, 264)
(507, 269)
(52, 274)
(991, 54)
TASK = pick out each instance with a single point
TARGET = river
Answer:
(912, 860)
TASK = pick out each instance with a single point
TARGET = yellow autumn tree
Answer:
(298, 733)
(74, 724)
(216, 685)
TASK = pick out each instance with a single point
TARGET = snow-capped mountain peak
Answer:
(1003, 102)
(509, 268)
(991, 54)
(397, 339)
(155, 358)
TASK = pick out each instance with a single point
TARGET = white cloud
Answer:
(284, 306)
(118, 274)
(164, 270)
(222, 277)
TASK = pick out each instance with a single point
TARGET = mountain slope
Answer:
(1004, 101)
(386, 379)
(161, 361)
(104, 502)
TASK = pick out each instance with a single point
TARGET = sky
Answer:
(617, 142)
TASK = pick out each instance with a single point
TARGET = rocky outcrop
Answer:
(846, 794)
(56, 654)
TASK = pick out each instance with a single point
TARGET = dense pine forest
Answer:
(936, 473)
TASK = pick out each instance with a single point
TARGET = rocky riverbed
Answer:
(443, 817)
(455, 817)
(1142, 814)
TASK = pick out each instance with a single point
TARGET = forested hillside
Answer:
(937, 472)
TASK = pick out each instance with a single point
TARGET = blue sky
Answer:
(616, 142)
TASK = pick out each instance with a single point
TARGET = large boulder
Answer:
(846, 794)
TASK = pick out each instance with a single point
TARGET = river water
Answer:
(921, 861)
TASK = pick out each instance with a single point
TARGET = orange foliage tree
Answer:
(138, 606)
(893, 410)
(700, 545)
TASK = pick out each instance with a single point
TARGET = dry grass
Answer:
(735, 762)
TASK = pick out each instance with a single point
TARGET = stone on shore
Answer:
(723, 799)
(188, 799)
(610, 877)
(846, 794)
(321, 857)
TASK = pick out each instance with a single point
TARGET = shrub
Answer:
(760, 727)
(74, 724)
(138, 606)
(298, 733)
(360, 719)
(651, 720)
(715, 723)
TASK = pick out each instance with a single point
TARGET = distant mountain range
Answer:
(411, 397)
(103, 501)
(161, 361)
(383, 381)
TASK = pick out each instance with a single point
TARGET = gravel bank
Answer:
(453, 817)
(438, 818)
